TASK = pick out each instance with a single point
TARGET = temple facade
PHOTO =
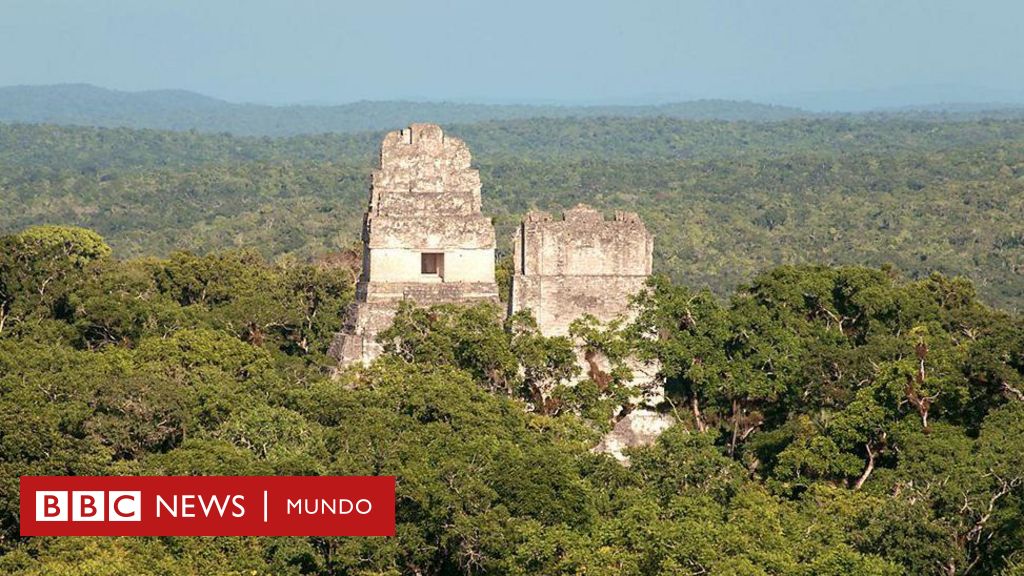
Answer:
(579, 264)
(424, 237)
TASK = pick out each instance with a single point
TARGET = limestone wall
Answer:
(430, 232)
(424, 171)
(424, 199)
(558, 300)
(460, 265)
(580, 264)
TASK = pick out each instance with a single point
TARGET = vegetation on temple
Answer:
(832, 420)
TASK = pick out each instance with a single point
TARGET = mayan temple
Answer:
(424, 237)
(579, 264)
(426, 241)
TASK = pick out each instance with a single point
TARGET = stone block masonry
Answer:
(580, 264)
(426, 241)
(424, 237)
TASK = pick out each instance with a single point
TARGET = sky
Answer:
(809, 52)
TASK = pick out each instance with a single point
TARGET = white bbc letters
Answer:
(89, 506)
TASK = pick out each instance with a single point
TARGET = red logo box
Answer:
(207, 505)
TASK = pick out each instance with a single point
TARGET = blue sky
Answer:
(566, 51)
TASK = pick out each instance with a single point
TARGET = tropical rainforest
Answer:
(725, 200)
(836, 314)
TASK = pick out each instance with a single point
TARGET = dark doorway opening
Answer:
(432, 263)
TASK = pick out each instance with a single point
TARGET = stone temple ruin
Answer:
(424, 237)
(426, 241)
(581, 264)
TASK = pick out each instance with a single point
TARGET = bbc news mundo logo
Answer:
(207, 505)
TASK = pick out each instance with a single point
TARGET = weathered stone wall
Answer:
(639, 428)
(424, 172)
(424, 198)
(581, 264)
(460, 265)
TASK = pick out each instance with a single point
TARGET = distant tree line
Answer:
(725, 199)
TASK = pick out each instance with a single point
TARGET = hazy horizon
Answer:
(814, 55)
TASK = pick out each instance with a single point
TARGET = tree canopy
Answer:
(830, 420)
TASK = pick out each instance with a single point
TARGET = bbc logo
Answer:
(89, 506)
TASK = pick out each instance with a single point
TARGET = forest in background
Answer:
(86, 105)
(724, 199)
